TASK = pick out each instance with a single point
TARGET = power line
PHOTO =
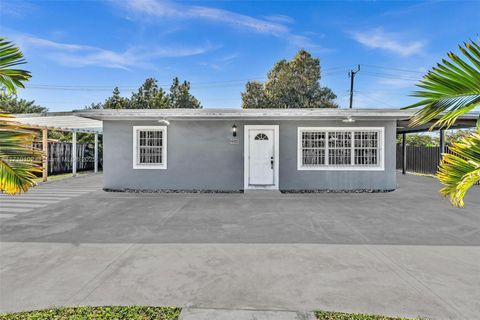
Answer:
(390, 68)
(195, 85)
(82, 87)
(375, 99)
(389, 76)
(225, 83)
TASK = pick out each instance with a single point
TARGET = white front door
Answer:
(262, 153)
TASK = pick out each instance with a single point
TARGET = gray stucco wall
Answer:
(200, 156)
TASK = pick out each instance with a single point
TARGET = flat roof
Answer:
(251, 114)
(62, 121)
(91, 120)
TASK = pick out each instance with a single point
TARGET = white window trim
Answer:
(137, 165)
(352, 167)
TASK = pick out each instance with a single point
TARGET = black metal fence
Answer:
(420, 159)
(60, 157)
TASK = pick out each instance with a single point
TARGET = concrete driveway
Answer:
(407, 252)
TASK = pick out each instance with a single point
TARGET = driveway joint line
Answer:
(98, 275)
(378, 254)
(173, 212)
(400, 266)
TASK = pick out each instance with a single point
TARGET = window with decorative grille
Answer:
(340, 148)
(150, 147)
(313, 148)
(366, 148)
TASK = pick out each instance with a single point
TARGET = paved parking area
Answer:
(408, 252)
(40, 197)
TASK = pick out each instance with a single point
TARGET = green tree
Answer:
(456, 136)
(419, 140)
(161, 99)
(290, 84)
(180, 96)
(451, 89)
(11, 104)
(94, 106)
(149, 96)
(254, 96)
(116, 101)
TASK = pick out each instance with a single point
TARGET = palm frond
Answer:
(18, 160)
(450, 89)
(11, 56)
(461, 169)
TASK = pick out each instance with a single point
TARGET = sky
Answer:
(78, 51)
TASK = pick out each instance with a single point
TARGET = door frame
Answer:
(246, 157)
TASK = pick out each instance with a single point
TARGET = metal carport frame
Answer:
(61, 121)
(468, 120)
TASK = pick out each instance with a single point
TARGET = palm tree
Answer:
(18, 160)
(451, 89)
(11, 56)
(460, 170)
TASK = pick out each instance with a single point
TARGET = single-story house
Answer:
(238, 149)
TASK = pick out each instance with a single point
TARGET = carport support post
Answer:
(45, 154)
(442, 143)
(404, 152)
(96, 154)
(74, 153)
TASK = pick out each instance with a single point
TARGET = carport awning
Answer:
(465, 121)
(62, 121)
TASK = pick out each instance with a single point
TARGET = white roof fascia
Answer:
(247, 114)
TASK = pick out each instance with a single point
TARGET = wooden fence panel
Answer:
(420, 159)
(60, 157)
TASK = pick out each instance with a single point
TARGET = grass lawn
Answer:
(149, 313)
(97, 313)
(330, 315)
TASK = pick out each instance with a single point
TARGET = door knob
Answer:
(271, 162)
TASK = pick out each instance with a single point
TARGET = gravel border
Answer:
(164, 191)
(170, 191)
(338, 191)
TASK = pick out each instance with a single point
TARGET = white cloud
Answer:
(280, 18)
(159, 8)
(230, 57)
(221, 62)
(393, 42)
(27, 40)
(275, 25)
(77, 55)
(17, 8)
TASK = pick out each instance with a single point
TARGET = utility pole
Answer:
(352, 74)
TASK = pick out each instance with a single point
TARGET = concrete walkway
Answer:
(345, 252)
(225, 314)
